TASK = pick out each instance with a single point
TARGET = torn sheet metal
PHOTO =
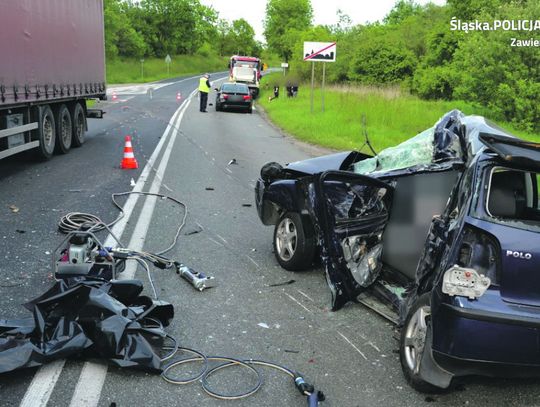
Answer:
(97, 319)
(350, 212)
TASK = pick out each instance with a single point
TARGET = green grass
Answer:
(392, 116)
(129, 70)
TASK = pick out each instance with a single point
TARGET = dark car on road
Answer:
(440, 234)
(234, 96)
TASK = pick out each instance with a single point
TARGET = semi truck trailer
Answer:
(52, 61)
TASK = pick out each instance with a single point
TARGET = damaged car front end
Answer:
(442, 230)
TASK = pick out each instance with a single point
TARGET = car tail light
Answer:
(247, 97)
(465, 282)
(225, 97)
(477, 266)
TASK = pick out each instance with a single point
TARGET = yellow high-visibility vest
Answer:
(203, 87)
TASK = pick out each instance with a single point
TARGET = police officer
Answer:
(204, 88)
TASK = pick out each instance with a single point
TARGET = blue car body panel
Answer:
(499, 328)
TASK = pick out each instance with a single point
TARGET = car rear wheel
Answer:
(250, 109)
(293, 251)
(413, 344)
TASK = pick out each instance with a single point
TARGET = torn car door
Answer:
(350, 212)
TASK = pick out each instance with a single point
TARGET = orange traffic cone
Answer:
(129, 162)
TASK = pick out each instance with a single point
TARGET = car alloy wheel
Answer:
(286, 239)
(415, 338)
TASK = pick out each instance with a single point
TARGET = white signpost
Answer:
(319, 52)
(168, 61)
(284, 65)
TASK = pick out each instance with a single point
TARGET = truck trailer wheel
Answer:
(46, 134)
(78, 125)
(64, 130)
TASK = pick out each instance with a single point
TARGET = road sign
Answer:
(284, 65)
(320, 51)
(168, 62)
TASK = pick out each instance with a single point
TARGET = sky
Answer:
(324, 11)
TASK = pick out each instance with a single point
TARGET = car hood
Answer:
(320, 164)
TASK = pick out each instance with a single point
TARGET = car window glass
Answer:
(512, 198)
(234, 88)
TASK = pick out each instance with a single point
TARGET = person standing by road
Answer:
(204, 88)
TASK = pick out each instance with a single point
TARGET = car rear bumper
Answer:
(485, 333)
(235, 105)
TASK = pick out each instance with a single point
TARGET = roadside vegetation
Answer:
(192, 34)
(392, 115)
(424, 50)
(128, 70)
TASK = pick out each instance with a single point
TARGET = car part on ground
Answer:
(444, 229)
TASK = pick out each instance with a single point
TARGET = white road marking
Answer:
(353, 345)
(374, 346)
(92, 378)
(305, 295)
(253, 261)
(216, 242)
(42, 385)
(221, 238)
(298, 302)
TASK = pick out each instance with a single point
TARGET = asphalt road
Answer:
(349, 354)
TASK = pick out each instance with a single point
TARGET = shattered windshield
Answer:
(415, 151)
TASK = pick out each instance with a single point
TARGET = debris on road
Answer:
(108, 320)
(14, 209)
(192, 232)
(233, 161)
(209, 188)
(283, 283)
(246, 205)
(263, 325)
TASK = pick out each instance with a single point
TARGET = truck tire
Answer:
(46, 134)
(294, 251)
(78, 125)
(64, 130)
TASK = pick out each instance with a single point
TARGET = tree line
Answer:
(425, 50)
(156, 28)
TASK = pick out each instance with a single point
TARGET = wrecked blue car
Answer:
(440, 234)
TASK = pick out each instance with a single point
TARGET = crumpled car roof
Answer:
(454, 139)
